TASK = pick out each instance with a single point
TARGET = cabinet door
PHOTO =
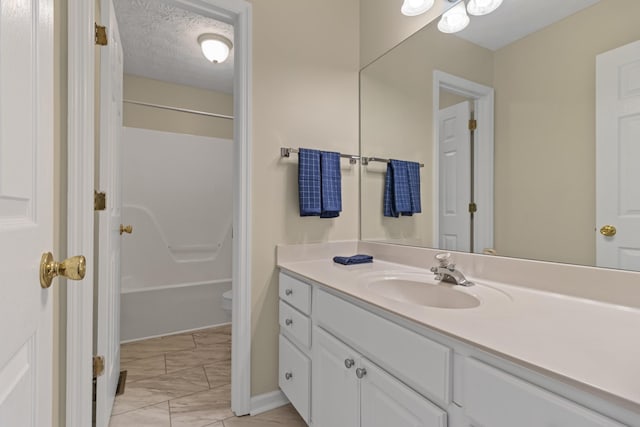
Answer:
(335, 398)
(494, 398)
(387, 402)
(294, 377)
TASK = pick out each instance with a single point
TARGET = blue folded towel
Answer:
(355, 259)
(309, 182)
(331, 188)
(319, 183)
(402, 189)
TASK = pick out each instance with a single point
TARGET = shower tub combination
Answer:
(176, 265)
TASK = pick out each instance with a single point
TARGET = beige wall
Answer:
(305, 94)
(393, 126)
(396, 122)
(382, 26)
(158, 92)
(545, 134)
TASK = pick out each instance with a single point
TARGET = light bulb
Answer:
(415, 7)
(214, 47)
(454, 19)
(482, 7)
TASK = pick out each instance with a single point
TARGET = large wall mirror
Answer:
(555, 153)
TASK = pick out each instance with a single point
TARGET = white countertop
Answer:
(589, 344)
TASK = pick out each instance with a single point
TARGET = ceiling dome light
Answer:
(454, 19)
(415, 7)
(215, 47)
(483, 7)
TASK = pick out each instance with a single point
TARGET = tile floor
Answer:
(185, 381)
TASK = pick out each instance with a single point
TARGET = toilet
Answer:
(227, 300)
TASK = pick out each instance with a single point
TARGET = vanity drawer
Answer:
(295, 377)
(296, 293)
(495, 398)
(419, 362)
(296, 324)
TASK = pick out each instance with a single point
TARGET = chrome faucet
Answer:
(446, 271)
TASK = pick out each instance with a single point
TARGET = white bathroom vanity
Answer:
(383, 344)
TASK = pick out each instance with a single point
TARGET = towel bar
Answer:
(365, 160)
(286, 152)
(353, 159)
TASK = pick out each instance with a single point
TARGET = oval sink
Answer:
(415, 291)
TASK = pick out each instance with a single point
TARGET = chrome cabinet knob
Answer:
(288, 376)
(361, 372)
(348, 363)
(288, 322)
(288, 291)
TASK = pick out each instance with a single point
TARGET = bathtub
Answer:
(150, 312)
(177, 263)
(167, 289)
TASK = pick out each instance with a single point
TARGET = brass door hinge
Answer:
(99, 201)
(98, 366)
(473, 208)
(473, 124)
(101, 35)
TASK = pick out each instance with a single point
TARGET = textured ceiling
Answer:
(160, 42)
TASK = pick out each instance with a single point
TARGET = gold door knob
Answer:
(72, 268)
(608, 230)
(126, 229)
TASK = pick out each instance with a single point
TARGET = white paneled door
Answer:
(454, 178)
(109, 220)
(26, 211)
(618, 158)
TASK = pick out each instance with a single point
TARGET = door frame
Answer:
(483, 99)
(81, 81)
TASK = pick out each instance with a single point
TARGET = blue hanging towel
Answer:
(331, 184)
(402, 189)
(414, 186)
(309, 188)
(319, 183)
(388, 193)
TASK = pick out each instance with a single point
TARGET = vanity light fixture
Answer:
(482, 7)
(415, 7)
(454, 19)
(215, 47)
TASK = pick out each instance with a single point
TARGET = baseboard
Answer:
(200, 328)
(267, 401)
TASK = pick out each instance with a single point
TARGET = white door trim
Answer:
(483, 97)
(80, 142)
(238, 13)
(81, 16)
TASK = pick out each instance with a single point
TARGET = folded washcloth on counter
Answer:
(354, 259)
